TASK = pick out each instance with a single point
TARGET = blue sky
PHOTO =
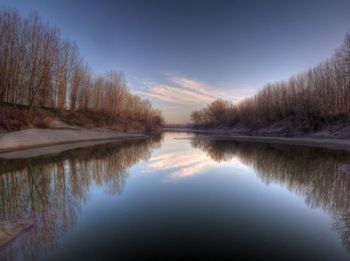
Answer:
(183, 54)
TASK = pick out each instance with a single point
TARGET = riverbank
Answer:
(35, 139)
(15, 118)
(334, 144)
(37, 142)
(307, 141)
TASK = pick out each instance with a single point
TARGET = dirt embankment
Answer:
(15, 118)
(335, 144)
(38, 138)
(325, 140)
(284, 128)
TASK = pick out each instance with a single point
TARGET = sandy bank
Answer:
(9, 230)
(311, 141)
(335, 144)
(38, 138)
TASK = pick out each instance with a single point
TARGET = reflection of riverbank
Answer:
(314, 174)
(10, 229)
(53, 189)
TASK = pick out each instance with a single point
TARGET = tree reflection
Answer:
(315, 174)
(53, 189)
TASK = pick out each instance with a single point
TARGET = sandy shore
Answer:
(335, 144)
(33, 139)
(328, 143)
(36, 142)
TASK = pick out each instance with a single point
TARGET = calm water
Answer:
(177, 197)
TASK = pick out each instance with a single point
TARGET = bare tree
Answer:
(317, 98)
(38, 68)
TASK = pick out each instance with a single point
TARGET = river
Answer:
(179, 196)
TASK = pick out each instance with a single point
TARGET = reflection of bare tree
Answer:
(53, 189)
(312, 173)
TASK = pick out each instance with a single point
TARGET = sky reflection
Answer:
(189, 162)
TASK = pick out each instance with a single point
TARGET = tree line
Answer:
(317, 97)
(40, 69)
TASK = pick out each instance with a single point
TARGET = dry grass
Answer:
(105, 120)
(14, 118)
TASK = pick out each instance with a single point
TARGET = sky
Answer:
(182, 55)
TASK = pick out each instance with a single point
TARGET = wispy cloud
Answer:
(179, 94)
(186, 95)
(182, 90)
(188, 83)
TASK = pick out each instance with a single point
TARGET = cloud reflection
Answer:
(180, 165)
(187, 164)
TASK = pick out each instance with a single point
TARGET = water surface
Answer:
(175, 197)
